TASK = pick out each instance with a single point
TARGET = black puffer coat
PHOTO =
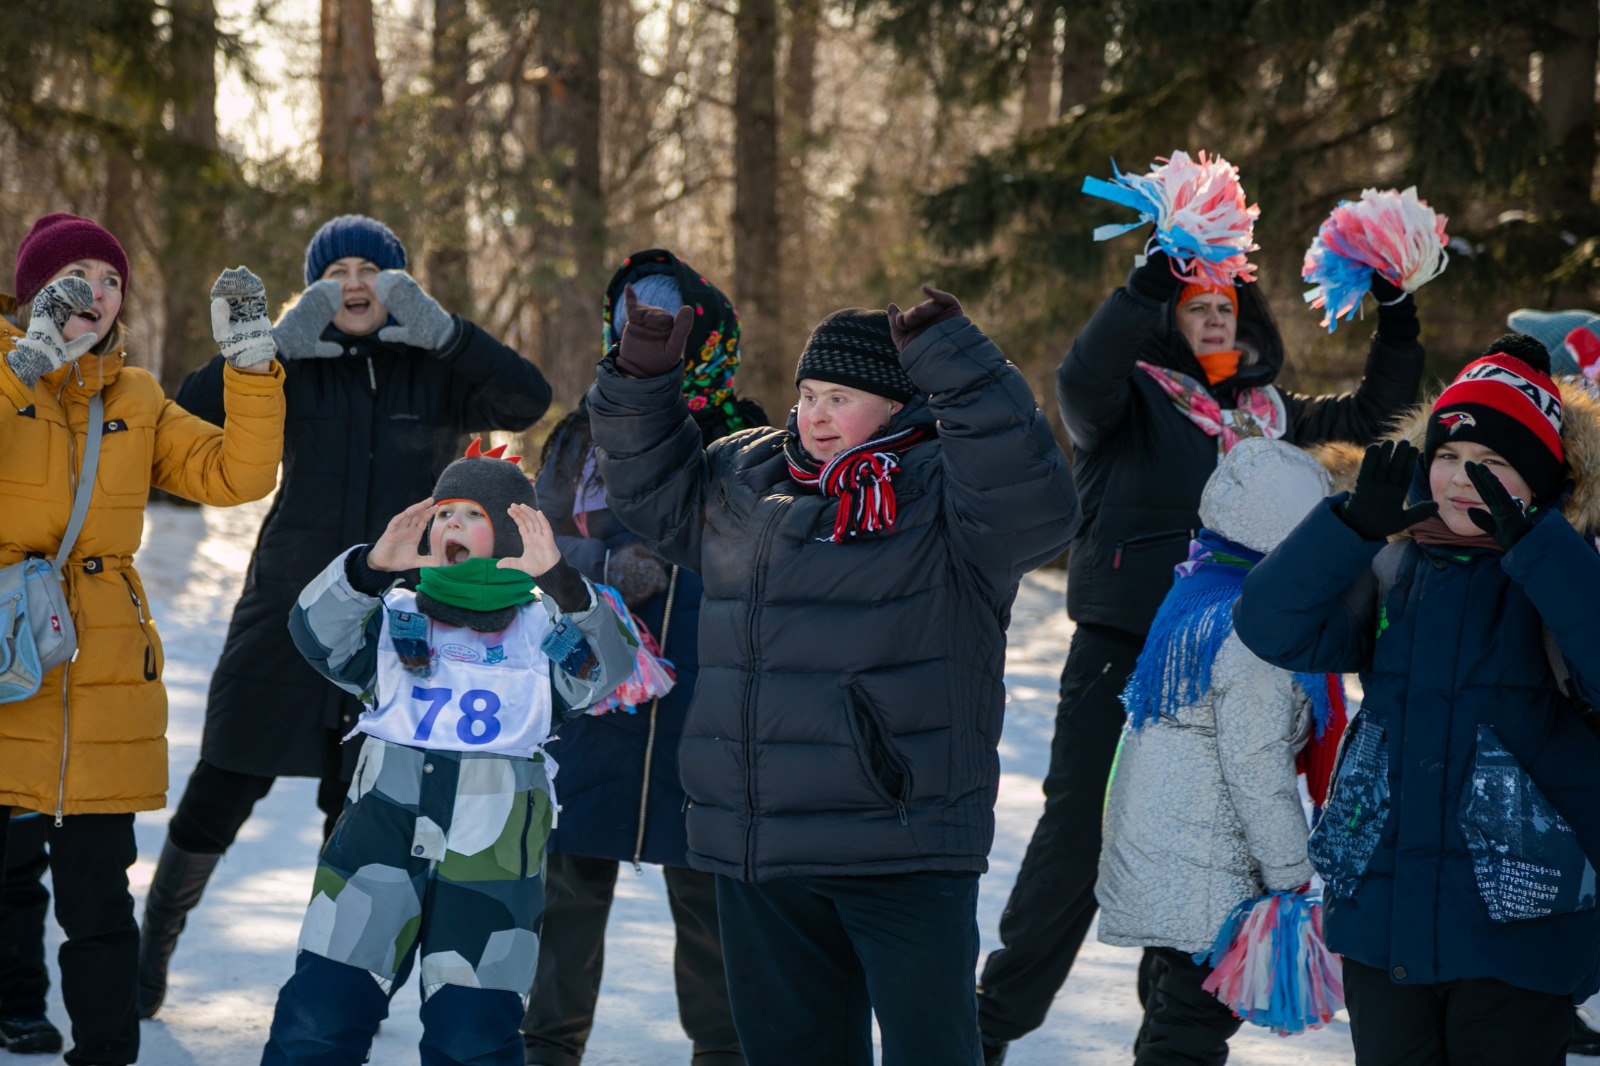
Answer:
(850, 695)
(366, 436)
(1139, 462)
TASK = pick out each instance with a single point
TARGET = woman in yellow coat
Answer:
(89, 748)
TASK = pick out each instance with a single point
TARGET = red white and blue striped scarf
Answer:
(860, 477)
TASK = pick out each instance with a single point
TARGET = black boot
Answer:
(994, 1052)
(1583, 1040)
(179, 881)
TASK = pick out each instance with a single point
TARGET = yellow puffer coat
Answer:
(92, 740)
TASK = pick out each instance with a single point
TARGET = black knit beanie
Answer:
(494, 484)
(853, 347)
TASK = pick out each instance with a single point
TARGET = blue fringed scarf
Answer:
(1174, 669)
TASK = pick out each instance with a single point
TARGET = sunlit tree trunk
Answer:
(447, 266)
(350, 86)
(756, 235)
(799, 101)
(1039, 72)
(1567, 101)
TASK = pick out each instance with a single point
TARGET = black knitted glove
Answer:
(906, 326)
(1377, 507)
(1154, 279)
(1506, 520)
(653, 340)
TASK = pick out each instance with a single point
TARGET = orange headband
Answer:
(1192, 290)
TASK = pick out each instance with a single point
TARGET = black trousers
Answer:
(1052, 903)
(89, 859)
(24, 979)
(216, 803)
(1184, 1025)
(1459, 1023)
(578, 892)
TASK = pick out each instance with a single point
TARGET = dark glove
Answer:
(637, 573)
(1397, 311)
(1505, 520)
(653, 340)
(1154, 279)
(906, 326)
(1377, 507)
(1386, 292)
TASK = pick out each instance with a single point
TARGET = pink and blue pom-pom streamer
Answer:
(1198, 206)
(652, 676)
(1271, 967)
(1387, 232)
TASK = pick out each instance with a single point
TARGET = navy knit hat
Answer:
(854, 348)
(353, 235)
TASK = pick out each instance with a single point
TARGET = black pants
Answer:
(1052, 903)
(24, 980)
(216, 803)
(812, 959)
(572, 948)
(1184, 1025)
(89, 859)
(1459, 1023)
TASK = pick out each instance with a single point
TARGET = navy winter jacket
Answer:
(850, 695)
(1465, 812)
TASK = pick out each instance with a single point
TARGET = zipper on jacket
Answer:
(1144, 540)
(750, 683)
(73, 475)
(650, 737)
(872, 735)
(150, 672)
(372, 375)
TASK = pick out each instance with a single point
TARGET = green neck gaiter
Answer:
(477, 585)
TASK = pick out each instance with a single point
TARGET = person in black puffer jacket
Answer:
(1161, 381)
(621, 800)
(381, 384)
(840, 750)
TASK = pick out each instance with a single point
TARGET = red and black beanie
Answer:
(1507, 401)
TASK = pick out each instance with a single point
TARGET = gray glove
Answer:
(422, 322)
(637, 573)
(44, 349)
(298, 333)
(239, 322)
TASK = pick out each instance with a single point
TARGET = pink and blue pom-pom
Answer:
(1271, 967)
(1198, 206)
(652, 675)
(1385, 231)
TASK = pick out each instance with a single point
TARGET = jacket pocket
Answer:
(885, 769)
(147, 631)
(1345, 838)
(1525, 857)
(1146, 541)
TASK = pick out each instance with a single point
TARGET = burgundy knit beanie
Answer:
(58, 239)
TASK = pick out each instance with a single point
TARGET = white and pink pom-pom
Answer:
(1202, 219)
(1271, 967)
(652, 676)
(1392, 233)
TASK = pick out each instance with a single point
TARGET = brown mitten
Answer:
(636, 572)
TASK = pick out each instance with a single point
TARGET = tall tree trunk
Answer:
(1083, 61)
(756, 237)
(351, 88)
(1039, 70)
(569, 137)
(1567, 101)
(446, 260)
(799, 102)
(191, 208)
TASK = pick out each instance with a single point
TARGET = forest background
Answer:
(805, 155)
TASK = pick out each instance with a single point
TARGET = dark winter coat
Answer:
(850, 695)
(1464, 747)
(367, 434)
(1140, 464)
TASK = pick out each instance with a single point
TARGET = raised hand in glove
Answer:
(44, 349)
(653, 340)
(637, 573)
(1386, 292)
(1377, 507)
(1153, 279)
(298, 333)
(239, 322)
(422, 323)
(1506, 520)
(906, 326)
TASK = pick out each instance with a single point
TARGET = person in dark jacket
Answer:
(621, 800)
(1460, 837)
(1162, 380)
(382, 383)
(840, 750)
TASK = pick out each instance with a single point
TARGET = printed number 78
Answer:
(478, 709)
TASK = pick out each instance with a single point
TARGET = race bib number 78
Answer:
(478, 708)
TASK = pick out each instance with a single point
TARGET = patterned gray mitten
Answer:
(422, 322)
(239, 322)
(299, 332)
(44, 349)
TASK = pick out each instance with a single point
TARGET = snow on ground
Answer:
(239, 946)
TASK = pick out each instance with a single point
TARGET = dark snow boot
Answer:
(1583, 1040)
(994, 1052)
(29, 1033)
(179, 882)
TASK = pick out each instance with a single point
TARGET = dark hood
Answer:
(1258, 332)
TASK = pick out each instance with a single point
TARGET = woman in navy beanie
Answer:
(382, 383)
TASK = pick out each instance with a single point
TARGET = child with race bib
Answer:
(440, 849)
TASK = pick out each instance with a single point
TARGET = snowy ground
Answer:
(240, 942)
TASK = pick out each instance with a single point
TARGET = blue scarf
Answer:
(1174, 669)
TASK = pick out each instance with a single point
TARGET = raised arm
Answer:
(227, 466)
(1388, 386)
